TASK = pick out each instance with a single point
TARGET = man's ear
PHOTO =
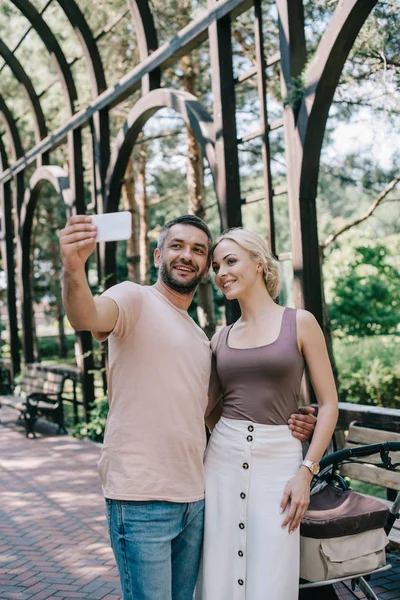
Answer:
(157, 256)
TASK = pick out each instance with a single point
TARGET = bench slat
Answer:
(369, 473)
(372, 474)
(364, 435)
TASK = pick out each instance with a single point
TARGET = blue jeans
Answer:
(157, 547)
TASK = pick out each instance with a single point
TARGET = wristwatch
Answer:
(312, 466)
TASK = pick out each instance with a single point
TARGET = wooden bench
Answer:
(369, 469)
(363, 470)
(40, 395)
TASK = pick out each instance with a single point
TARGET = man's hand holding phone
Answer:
(77, 242)
(78, 238)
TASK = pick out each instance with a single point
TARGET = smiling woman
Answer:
(253, 463)
(246, 248)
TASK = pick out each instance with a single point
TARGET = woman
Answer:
(257, 487)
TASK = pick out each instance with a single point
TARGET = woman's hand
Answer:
(297, 494)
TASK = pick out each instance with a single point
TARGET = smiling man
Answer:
(151, 464)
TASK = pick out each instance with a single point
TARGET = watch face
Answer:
(315, 468)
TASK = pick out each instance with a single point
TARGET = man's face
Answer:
(183, 259)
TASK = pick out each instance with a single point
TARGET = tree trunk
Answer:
(129, 201)
(143, 214)
(196, 197)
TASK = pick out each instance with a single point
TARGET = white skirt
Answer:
(246, 554)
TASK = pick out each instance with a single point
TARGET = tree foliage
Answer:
(363, 289)
(360, 271)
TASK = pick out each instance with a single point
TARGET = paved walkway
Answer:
(53, 537)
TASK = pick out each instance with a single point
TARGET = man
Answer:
(151, 462)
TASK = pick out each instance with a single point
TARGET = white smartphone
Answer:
(112, 227)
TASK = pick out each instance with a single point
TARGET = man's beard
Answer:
(181, 287)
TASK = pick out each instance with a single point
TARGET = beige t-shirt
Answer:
(159, 370)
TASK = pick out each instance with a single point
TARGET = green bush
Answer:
(369, 370)
(48, 346)
(95, 429)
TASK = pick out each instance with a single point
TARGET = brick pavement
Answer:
(53, 538)
(386, 585)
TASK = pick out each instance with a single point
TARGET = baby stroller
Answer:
(315, 590)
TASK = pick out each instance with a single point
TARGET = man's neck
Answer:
(182, 301)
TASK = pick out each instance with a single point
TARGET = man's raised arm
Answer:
(77, 242)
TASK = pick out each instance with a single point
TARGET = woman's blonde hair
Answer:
(259, 252)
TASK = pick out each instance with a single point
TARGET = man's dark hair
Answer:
(186, 220)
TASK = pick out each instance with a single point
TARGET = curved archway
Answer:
(48, 38)
(58, 179)
(88, 45)
(147, 40)
(186, 105)
(8, 260)
(75, 137)
(16, 148)
(194, 116)
(101, 125)
(324, 74)
(25, 81)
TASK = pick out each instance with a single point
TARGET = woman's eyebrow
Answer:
(215, 262)
(230, 254)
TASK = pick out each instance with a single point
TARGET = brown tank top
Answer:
(261, 384)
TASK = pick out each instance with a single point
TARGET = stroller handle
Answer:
(368, 450)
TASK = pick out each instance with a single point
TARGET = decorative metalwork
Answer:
(304, 126)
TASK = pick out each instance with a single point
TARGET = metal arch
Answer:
(33, 99)
(189, 38)
(12, 129)
(304, 130)
(58, 178)
(194, 115)
(7, 251)
(324, 75)
(192, 112)
(53, 47)
(17, 149)
(61, 64)
(100, 124)
(88, 44)
(56, 53)
(146, 34)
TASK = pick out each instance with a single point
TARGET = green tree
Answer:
(363, 291)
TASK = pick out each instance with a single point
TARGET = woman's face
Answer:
(235, 271)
